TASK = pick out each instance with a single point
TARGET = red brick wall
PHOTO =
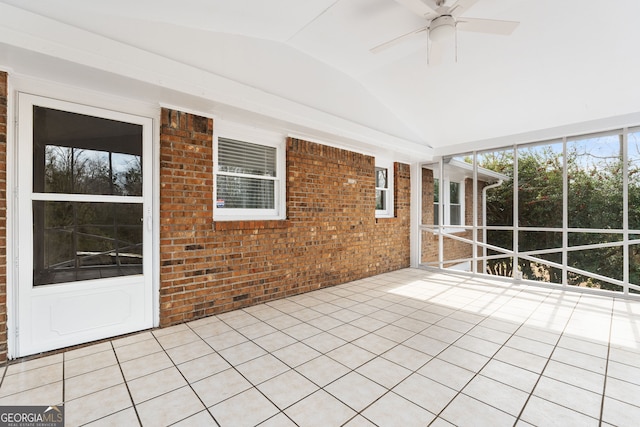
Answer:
(3, 216)
(330, 236)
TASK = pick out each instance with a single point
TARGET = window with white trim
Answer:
(452, 203)
(384, 191)
(249, 183)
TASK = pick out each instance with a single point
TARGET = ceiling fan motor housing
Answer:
(441, 28)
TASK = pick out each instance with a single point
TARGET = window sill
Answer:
(250, 224)
(450, 230)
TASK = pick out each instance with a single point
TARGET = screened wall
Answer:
(564, 212)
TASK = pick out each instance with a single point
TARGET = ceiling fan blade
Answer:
(461, 7)
(397, 40)
(419, 7)
(489, 26)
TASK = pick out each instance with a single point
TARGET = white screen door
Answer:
(84, 225)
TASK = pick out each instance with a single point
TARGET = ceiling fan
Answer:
(444, 18)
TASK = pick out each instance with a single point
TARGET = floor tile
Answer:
(324, 342)
(578, 377)
(221, 386)
(145, 365)
(49, 394)
(375, 344)
(283, 321)
(278, 420)
(320, 410)
(463, 358)
(623, 391)
(522, 359)
(325, 322)
(489, 334)
(296, 354)
(211, 329)
(384, 372)
(201, 419)
(576, 398)
(186, 352)
(32, 378)
(404, 413)
(225, 340)
(541, 412)
(348, 332)
(322, 370)
(496, 394)
(20, 366)
(477, 345)
(176, 339)
(368, 323)
(359, 421)
(169, 408)
(138, 349)
(512, 375)
(425, 392)
(170, 330)
(132, 339)
(96, 405)
(447, 336)
(126, 417)
(355, 390)
(153, 385)
(238, 318)
(580, 360)
(446, 373)
(256, 330)
(302, 331)
(274, 341)
(287, 389)
(467, 411)
(242, 353)
(248, 409)
(91, 382)
(262, 368)
(88, 350)
(394, 333)
(529, 345)
(620, 413)
(624, 372)
(411, 324)
(407, 357)
(402, 331)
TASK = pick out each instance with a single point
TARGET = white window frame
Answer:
(387, 211)
(236, 131)
(445, 201)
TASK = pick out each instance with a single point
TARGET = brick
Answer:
(330, 236)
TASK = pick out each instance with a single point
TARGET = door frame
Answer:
(92, 100)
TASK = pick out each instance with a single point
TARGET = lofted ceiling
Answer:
(570, 64)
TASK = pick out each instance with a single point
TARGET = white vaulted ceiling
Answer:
(570, 64)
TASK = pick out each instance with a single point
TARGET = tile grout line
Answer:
(233, 366)
(164, 350)
(547, 364)
(606, 366)
(432, 357)
(503, 345)
(126, 384)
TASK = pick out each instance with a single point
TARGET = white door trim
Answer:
(21, 176)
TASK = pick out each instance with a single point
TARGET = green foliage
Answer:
(595, 201)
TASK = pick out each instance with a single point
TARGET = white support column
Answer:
(415, 236)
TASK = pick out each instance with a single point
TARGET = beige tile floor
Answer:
(405, 348)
